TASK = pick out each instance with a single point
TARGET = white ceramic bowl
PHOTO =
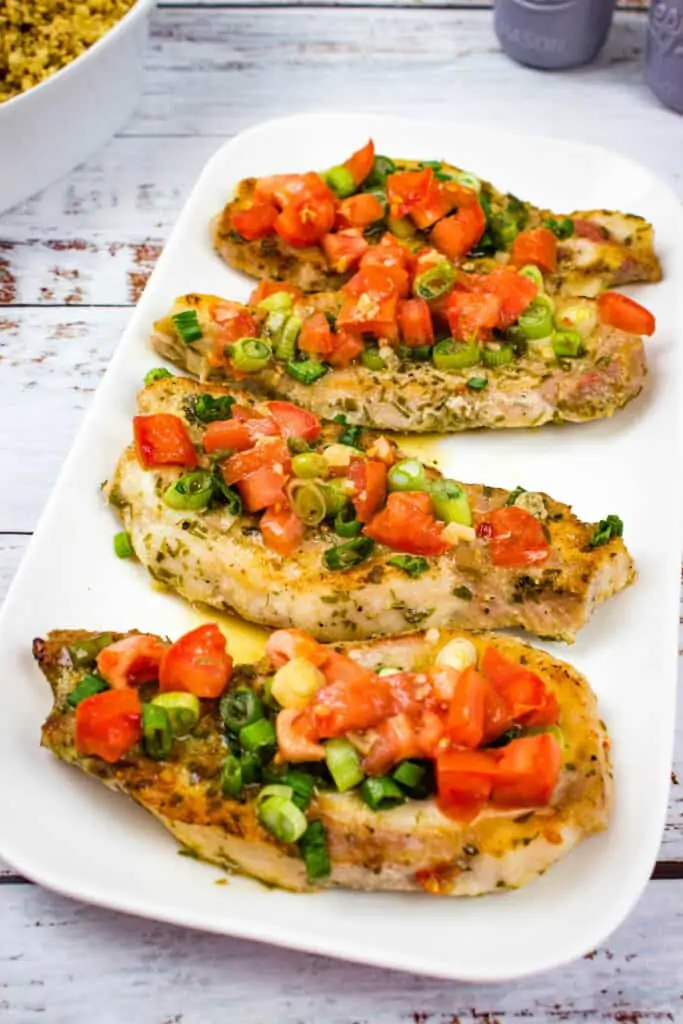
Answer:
(55, 125)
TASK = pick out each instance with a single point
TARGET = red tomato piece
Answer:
(264, 289)
(359, 211)
(347, 347)
(619, 311)
(109, 724)
(471, 315)
(528, 771)
(436, 204)
(395, 740)
(344, 249)
(255, 221)
(517, 537)
(305, 220)
(361, 162)
(415, 322)
(523, 691)
(294, 421)
(407, 190)
(547, 714)
(283, 188)
(234, 322)
(370, 314)
(514, 291)
(356, 699)
(369, 478)
(162, 440)
(538, 247)
(466, 713)
(296, 737)
(238, 435)
(464, 780)
(197, 663)
(316, 335)
(132, 661)
(269, 452)
(282, 530)
(285, 644)
(407, 524)
(454, 236)
(262, 488)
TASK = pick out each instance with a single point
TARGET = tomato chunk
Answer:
(262, 488)
(619, 311)
(316, 336)
(415, 322)
(359, 211)
(361, 162)
(538, 247)
(513, 290)
(282, 530)
(269, 452)
(296, 737)
(472, 316)
(464, 781)
(237, 435)
(407, 524)
(294, 421)
(395, 740)
(454, 236)
(255, 221)
(264, 289)
(109, 724)
(407, 190)
(466, 713)
(197, 663)
(355, 700)
(522, 690)
(132, 661)
(344, 249)
(234, 321)
(370, 314)
(306, 219)
(528, 771)
(517, 537)
(162, 440)
(347, 347)
(369, 479)
(435, 205)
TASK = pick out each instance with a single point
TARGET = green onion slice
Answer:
(251, 768)
(313, 847)
(513, 495)
(381, 169)
(494, 357)
(503, 228)
(187, 325)
(382, 793)
(477, 383)
(409, 774)
(450, 502)
(411, 565)
(84, 652)
(349, 435)
(606, 529)
(232, 780)
(343, 762)
(249, 355)
(308, 501)
(537, 319)
(190, 492)
(285, 347)
(123, 547)
(224, 494)
(278, 300)
(335, 497)
(345, 522)
(435, 282)
(407, 475)
(207, 408)
(455, 355)
(258, 736)
(274, 789)
(282, 818)
(309, 465)
(182, 709)
(562, 229)
(306, 372)
(535, 275)
(371, 358)
(341, 181)
(239, 708)
(158, 373)
(156, 731)
(88, 686)
(349, 554)
(568, 344)
(469, 181)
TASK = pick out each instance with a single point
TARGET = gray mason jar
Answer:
(664, 61)
(553, 34)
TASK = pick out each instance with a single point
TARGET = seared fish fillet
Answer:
(220, 559)
(410, 847)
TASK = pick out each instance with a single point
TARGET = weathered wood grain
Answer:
(63, 962)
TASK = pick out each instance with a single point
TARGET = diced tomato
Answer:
(238, 435)
(262, 488)
(466, 713)
(109, 724)
(296, 737)
(547, 714)
(454, 236)
(162, 440)
(378, 279)
(435, 205)
(370, 314)
(344, 249)
(316, 335)
(234, 322)
(471, 315)
(589, 229)
(361, 162)
(415, 322)
(528, 771)
(407, 190)
(395, 740)
(132, 661)
(514, 290)
(264, 289)
(517, 537)
(407, 524)
(197, 663)
(464, 780)
(283, 188)
(523, 691)
(282, 530)
(497, 715)
(269, 452)
(294, 421)
(619, 311)
(390, 252)
(255, 221)
(538, 247)
(305, 220)
(356, 699)
(369, 479)
(347, 347)
(285, 644)
(359, 211)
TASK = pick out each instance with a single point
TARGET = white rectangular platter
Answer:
(70, 834)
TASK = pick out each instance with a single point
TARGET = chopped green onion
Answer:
(282, 818)
(534, 274)
(251, 768)
(187, 325)
(381, 793)
(450, 502)
(310, 465)
(349, 554)
(232, 779)
(123, 547)
(240, 707)
(561, 228)
(371, 359)
(401, 227)
(335, 497)
(274, 789)
(306, 372)
(469, 181)
(504, 229)
(407, 475)
(568, 344)
(343, 762)
(308, 501)
(285, 347)
(84, 652)
(606, 530)
(249, 355)
(257, 736)
(156, 731)
(278, 300)
(409, 774)
(387, 670)
(224, 494)
(420, 353)
(313, 847)
(302, 785)
(349, 435)
(87, 687)
(464, 593)
(513, 495)
(435, 282)
(381, 169)
(158, 373)
(190, 492)
(496, 356)
(208, 408)
(455, 355)
(341, 181)
(411, 565)
(274, 325)
(297, 445)
(537, 319)
(345, 522)
(182, 709)
(477, 383)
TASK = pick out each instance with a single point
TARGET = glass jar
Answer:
(664, 60)
(553, 34)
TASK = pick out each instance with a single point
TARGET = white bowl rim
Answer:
(109, 36)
